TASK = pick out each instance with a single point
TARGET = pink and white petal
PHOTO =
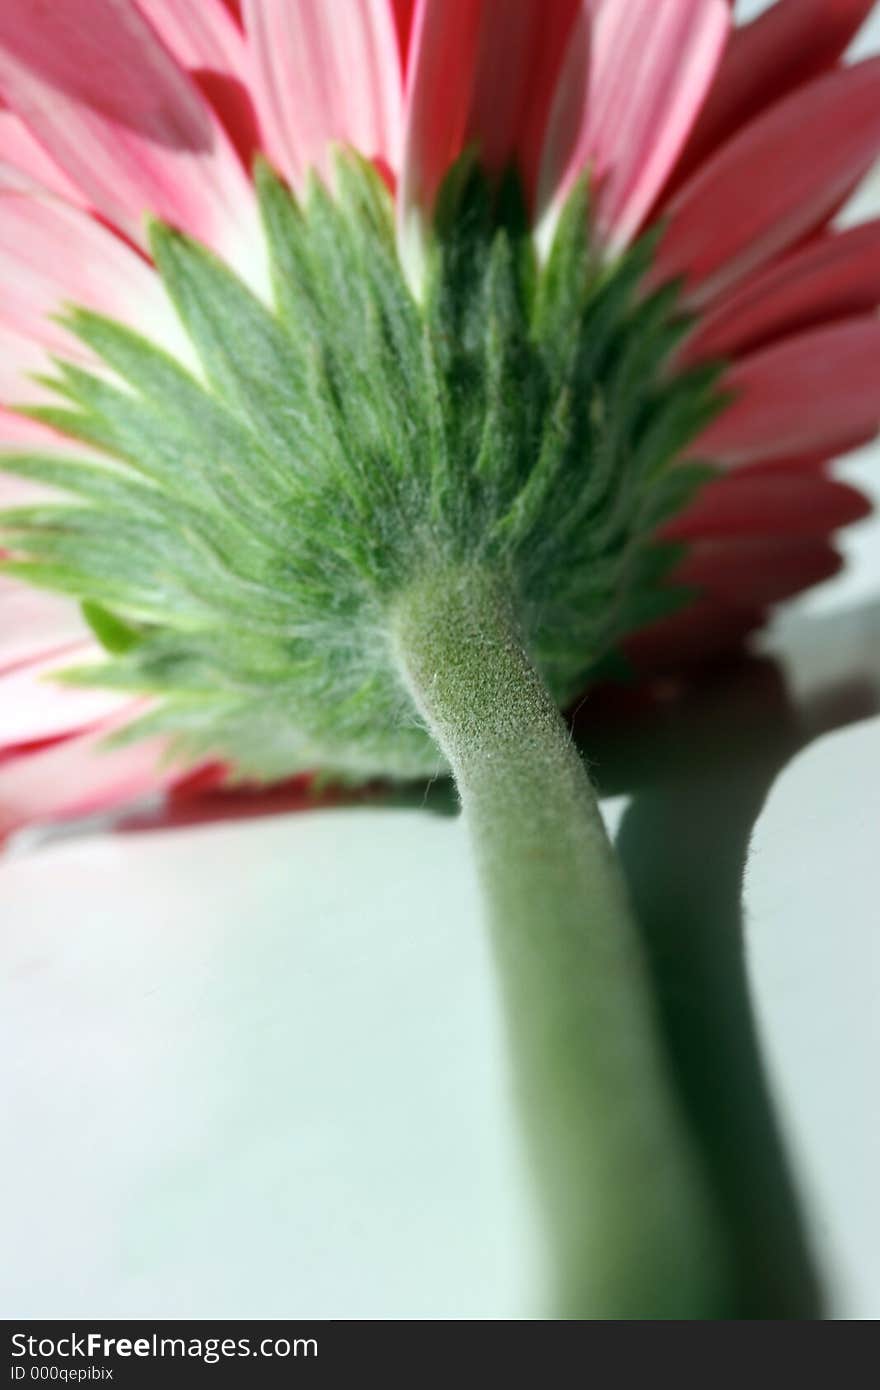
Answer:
(99, 90)
(21, 492)
(746, 503)
(773, 183)
(19, 151)
(757, 571)
(208, 41)
(319, 81)
(35, 624)
(34, 707)
(833, 276)
(650, 68)
(52, 253)
(79, 776)
(203, 35)
(440, 77)
(789, 44)
(21, 361)
(18, 433)
(812, 393)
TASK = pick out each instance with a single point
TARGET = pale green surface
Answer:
(255, 1070)
(241, 1082)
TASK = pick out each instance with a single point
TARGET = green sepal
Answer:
(247, 526)
(115, 636)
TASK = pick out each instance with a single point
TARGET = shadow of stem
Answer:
(699, 765)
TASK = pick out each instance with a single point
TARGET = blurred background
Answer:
(254, 1068)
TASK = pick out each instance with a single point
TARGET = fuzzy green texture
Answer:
(241, 550)
(632, 1224)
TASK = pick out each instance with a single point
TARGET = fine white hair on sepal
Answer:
(344, 438)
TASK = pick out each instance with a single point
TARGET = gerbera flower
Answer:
(375, 373)
(117, 109)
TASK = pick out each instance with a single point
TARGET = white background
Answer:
(254, 1069)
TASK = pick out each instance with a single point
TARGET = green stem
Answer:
(633, 1230)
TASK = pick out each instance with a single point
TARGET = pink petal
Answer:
(404, 11)
(704, 630)
(52, 253)
(78, 777)
(564, 140)
(100, 92)
(769, 504)
(33, 707)
(439, 85)
(789, 44)
(20, 151)
(206, 40)
(834, 276)
(812, 393)
(17, 432)
(203, 798)
(773, 183)
(519, 52)
(756, 571)
(482, 75)
(807, 463)
(21, 435)
(21, 492)
(34, 624)
(21, 358)
(200, 35)
(650, 68)
(319, 80)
